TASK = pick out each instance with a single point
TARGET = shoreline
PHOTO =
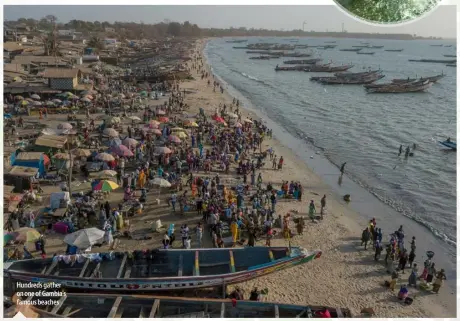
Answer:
(346, 221)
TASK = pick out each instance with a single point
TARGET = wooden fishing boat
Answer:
(159, 269)
(326, 68)
(440, 61)
(302, 61)
(240, 47)
(330, 41)
(436, 45)
(146, 306)
(301, 46)
(450, 56)
(376, 47)
(394, 50)
(449, 144)
(451, 65)
(357, 74)
(296, 55)
(296, 67)
(350, 81)
(431, 79)
(362, 46)
(399, 88)
(365, 53)
(237, 41)
(264, 57)
(351, 49)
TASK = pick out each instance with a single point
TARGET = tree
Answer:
(50, 45)
(97, 43)
(174, 29)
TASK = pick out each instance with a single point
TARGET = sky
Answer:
(439, 23)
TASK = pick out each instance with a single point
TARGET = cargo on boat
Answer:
(158, 269)
(79, 305)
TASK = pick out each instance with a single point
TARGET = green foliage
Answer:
(385, 11)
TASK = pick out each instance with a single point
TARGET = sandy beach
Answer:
(346, 275)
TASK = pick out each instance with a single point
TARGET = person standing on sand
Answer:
(413, 276)
(365, 237)
(430, 273)
(411, 257)
(342, 168)
(323, 205)
(275, 162)
(394, 278)
(280, 163)
(312, 210)
(403, 261)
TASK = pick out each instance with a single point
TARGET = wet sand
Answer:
(346, 275)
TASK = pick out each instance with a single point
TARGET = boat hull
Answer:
(450, 145)
(163, 283)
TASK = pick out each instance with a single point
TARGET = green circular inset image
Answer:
(387, 11)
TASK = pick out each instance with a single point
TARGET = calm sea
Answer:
(365, 130)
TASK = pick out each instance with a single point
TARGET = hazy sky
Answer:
(440, 23)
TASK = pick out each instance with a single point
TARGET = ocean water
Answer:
(345, 124)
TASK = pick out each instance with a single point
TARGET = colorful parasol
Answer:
(105, 157)
(174, 139)
(154, 122)
(26, 234)
(64, 126)
(163, 150)
(130, 142)
(35, 96)
(181, 135)
(80, 152)
(105, 186)
(121, 150)
(111, 132)
(163, 119)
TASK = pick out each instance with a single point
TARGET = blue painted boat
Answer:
(79, 305)
(157, 270)
(449, 144)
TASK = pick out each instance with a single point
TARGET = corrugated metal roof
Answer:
(52, 141)
(60, 73)
(29, 156)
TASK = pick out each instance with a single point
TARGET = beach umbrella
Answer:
(107, 173)
(105, 186)
(219, 119)
(105, 157)
(151, 126)
(83, 239)
(49, 103)
(64, 126)
(80, 152)
(66, 102)
(114, 142)
(232, 115)
(181, 135)
(26, 234)
(74, 97)
(36, 103)
(155, 131)
(112, 119)
(24, 103)
(154, 122)
(158, 181)
(57, 101)
(19, 97)
(35, 96)
(238, 125)
(163, 119)
(68, 94)
(174, 139)
(143, 93)
(248, 121)
(134, 118)
(177, 129)
(192, 124)
(85, 99)
(29, 99)
(130, 142)
(89, 97)
(111, 132)
(161, 112)
(162, 150)
(121, 150)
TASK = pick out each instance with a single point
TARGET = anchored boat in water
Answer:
(158, 269)
(449, 144)
(393, 88)
(145, 306)
(430, 78)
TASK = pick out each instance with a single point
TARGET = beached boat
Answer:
(365, 53)
(394, 50)
(449, 144)
(351, 49)
(410, 87)
(159, 269)
(440, 61)
(302, 61)
(431, 79)
(81, 305)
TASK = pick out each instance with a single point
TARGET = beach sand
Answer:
(345, 276)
